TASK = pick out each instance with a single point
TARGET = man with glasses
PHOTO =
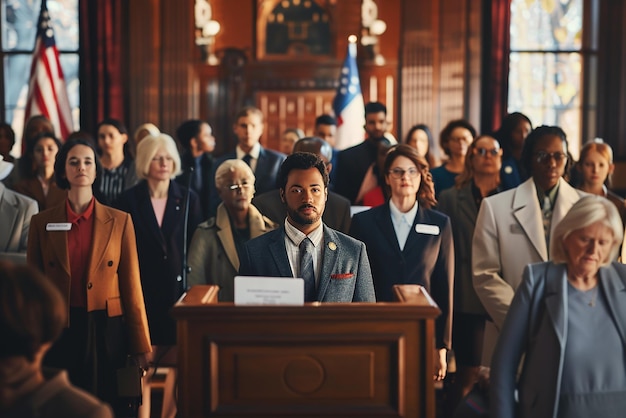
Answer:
(217, 244)
(513, 227)
(334, 266)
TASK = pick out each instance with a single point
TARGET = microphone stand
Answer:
(185, 226)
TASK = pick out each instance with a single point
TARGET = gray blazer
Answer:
(345, 275)
(536, 328)
(15, 213)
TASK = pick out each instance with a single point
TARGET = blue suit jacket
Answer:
(345, 275)
(536, 325)
(427, 259)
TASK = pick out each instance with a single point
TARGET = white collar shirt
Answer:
(402, 222)
(293, 238)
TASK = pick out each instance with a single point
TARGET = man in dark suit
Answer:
(264, 162)
(326, 128)
(353, 162)
(337, 213)
(334, 266)
(196, 138)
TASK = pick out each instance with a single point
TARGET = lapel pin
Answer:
(332, 246)
(508, 169)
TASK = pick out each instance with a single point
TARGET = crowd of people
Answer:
(517, 244)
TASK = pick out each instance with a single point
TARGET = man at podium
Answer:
(334, 266)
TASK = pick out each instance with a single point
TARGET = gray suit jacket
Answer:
(15, 213)
(336, 215)
(345, 275)
(536, 327)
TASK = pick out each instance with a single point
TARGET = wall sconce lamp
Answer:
(373, 27)
(206, 30)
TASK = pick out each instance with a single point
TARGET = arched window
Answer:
(550, 50)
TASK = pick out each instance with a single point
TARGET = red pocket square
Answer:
(342, 276)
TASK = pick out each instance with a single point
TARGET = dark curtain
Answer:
(495, 75)
(102, 59)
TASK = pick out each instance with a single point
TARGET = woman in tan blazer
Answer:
(88, 250)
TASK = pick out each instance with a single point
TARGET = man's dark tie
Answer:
(247, 158)
(306, 269)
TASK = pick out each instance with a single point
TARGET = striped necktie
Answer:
(306, 269)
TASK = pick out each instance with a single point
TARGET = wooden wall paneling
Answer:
(178, 43)
(419, 72)
(144, 76)
(291, 109)
(237, 23)
(453, 57)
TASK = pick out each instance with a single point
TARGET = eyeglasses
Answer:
(484, 151)
(398, 173)
(236, 187)
(544, 157)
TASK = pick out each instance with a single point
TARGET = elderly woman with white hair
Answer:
(157, 206)
(568, 321)
(217, 243)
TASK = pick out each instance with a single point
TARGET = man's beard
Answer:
(294, 215)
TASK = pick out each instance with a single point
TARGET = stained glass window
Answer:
(546, 58)
(18, 30)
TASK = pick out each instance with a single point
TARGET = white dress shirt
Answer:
(293, 238)
(402, 222)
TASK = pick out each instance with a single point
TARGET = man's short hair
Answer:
(187, 131)
(375, 107)
(32, 310)
(301, 161)
(312, 144)
(247, 111)
(325, 120)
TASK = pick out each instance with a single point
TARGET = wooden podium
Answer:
(316, 360)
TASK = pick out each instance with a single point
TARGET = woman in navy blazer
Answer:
(157, 206)
(568, 321)
(422, 253)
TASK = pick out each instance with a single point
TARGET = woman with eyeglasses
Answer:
(513, 228)
(454, 140)
(410, 243)
(218, 242)
(157, 206)
(481, 178)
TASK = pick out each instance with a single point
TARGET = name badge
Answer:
(427, 229)
(59, 226)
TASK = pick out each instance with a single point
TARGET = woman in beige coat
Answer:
(214, 250)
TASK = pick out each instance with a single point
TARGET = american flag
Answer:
(47, 94)
(348, 103)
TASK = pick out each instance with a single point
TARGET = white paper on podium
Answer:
(255, 290)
